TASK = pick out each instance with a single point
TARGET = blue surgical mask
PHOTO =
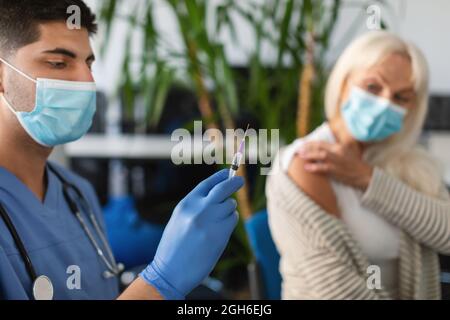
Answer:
(371, 118)
(63, 110)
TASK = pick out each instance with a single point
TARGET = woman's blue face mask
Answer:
(370, 118)
(63, 110)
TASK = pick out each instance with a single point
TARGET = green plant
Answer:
(271, 91)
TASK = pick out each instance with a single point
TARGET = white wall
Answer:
(425, 23)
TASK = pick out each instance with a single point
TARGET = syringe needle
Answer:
(238, 156)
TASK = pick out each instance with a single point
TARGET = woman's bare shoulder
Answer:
(316, 186)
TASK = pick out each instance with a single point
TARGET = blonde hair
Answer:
(400, 154)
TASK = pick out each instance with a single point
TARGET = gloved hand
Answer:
(195, 237)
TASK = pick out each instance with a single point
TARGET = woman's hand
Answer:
(343, 163)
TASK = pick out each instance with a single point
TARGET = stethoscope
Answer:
(42, 285)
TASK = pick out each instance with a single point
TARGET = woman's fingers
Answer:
(318, 151)
(319, 167)
(315, 146)
(315, 155)
(343, 163)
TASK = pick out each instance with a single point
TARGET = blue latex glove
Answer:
(195, 237)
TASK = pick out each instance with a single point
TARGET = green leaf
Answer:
(107, 12)
(165, 80)
(284, 30)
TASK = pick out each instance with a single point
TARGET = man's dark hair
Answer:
(20, 19)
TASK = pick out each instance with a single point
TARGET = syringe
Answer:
(238, 157)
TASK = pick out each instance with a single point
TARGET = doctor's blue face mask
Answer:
(370, 118)
(63, 110)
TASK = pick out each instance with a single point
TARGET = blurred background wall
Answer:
(426, 23)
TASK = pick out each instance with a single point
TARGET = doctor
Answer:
(50, 218)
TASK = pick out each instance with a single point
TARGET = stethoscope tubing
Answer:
(19, 244)
(113, 268)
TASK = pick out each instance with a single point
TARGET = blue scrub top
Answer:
(54, 240)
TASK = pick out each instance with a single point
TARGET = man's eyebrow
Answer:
(68, 53)
(62, 51)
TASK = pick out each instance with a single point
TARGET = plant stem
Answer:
(305, 87)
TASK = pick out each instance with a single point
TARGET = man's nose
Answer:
(83, 74)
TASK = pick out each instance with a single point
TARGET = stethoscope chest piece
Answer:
(42, 288)
(42, 285)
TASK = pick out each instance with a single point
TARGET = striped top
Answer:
(378, 239)
(321, 260)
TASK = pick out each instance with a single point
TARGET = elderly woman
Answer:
(356, 208)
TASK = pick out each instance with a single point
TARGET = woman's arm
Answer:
(332, 265)
(423, 217)
(316, 186)
(332, 279)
